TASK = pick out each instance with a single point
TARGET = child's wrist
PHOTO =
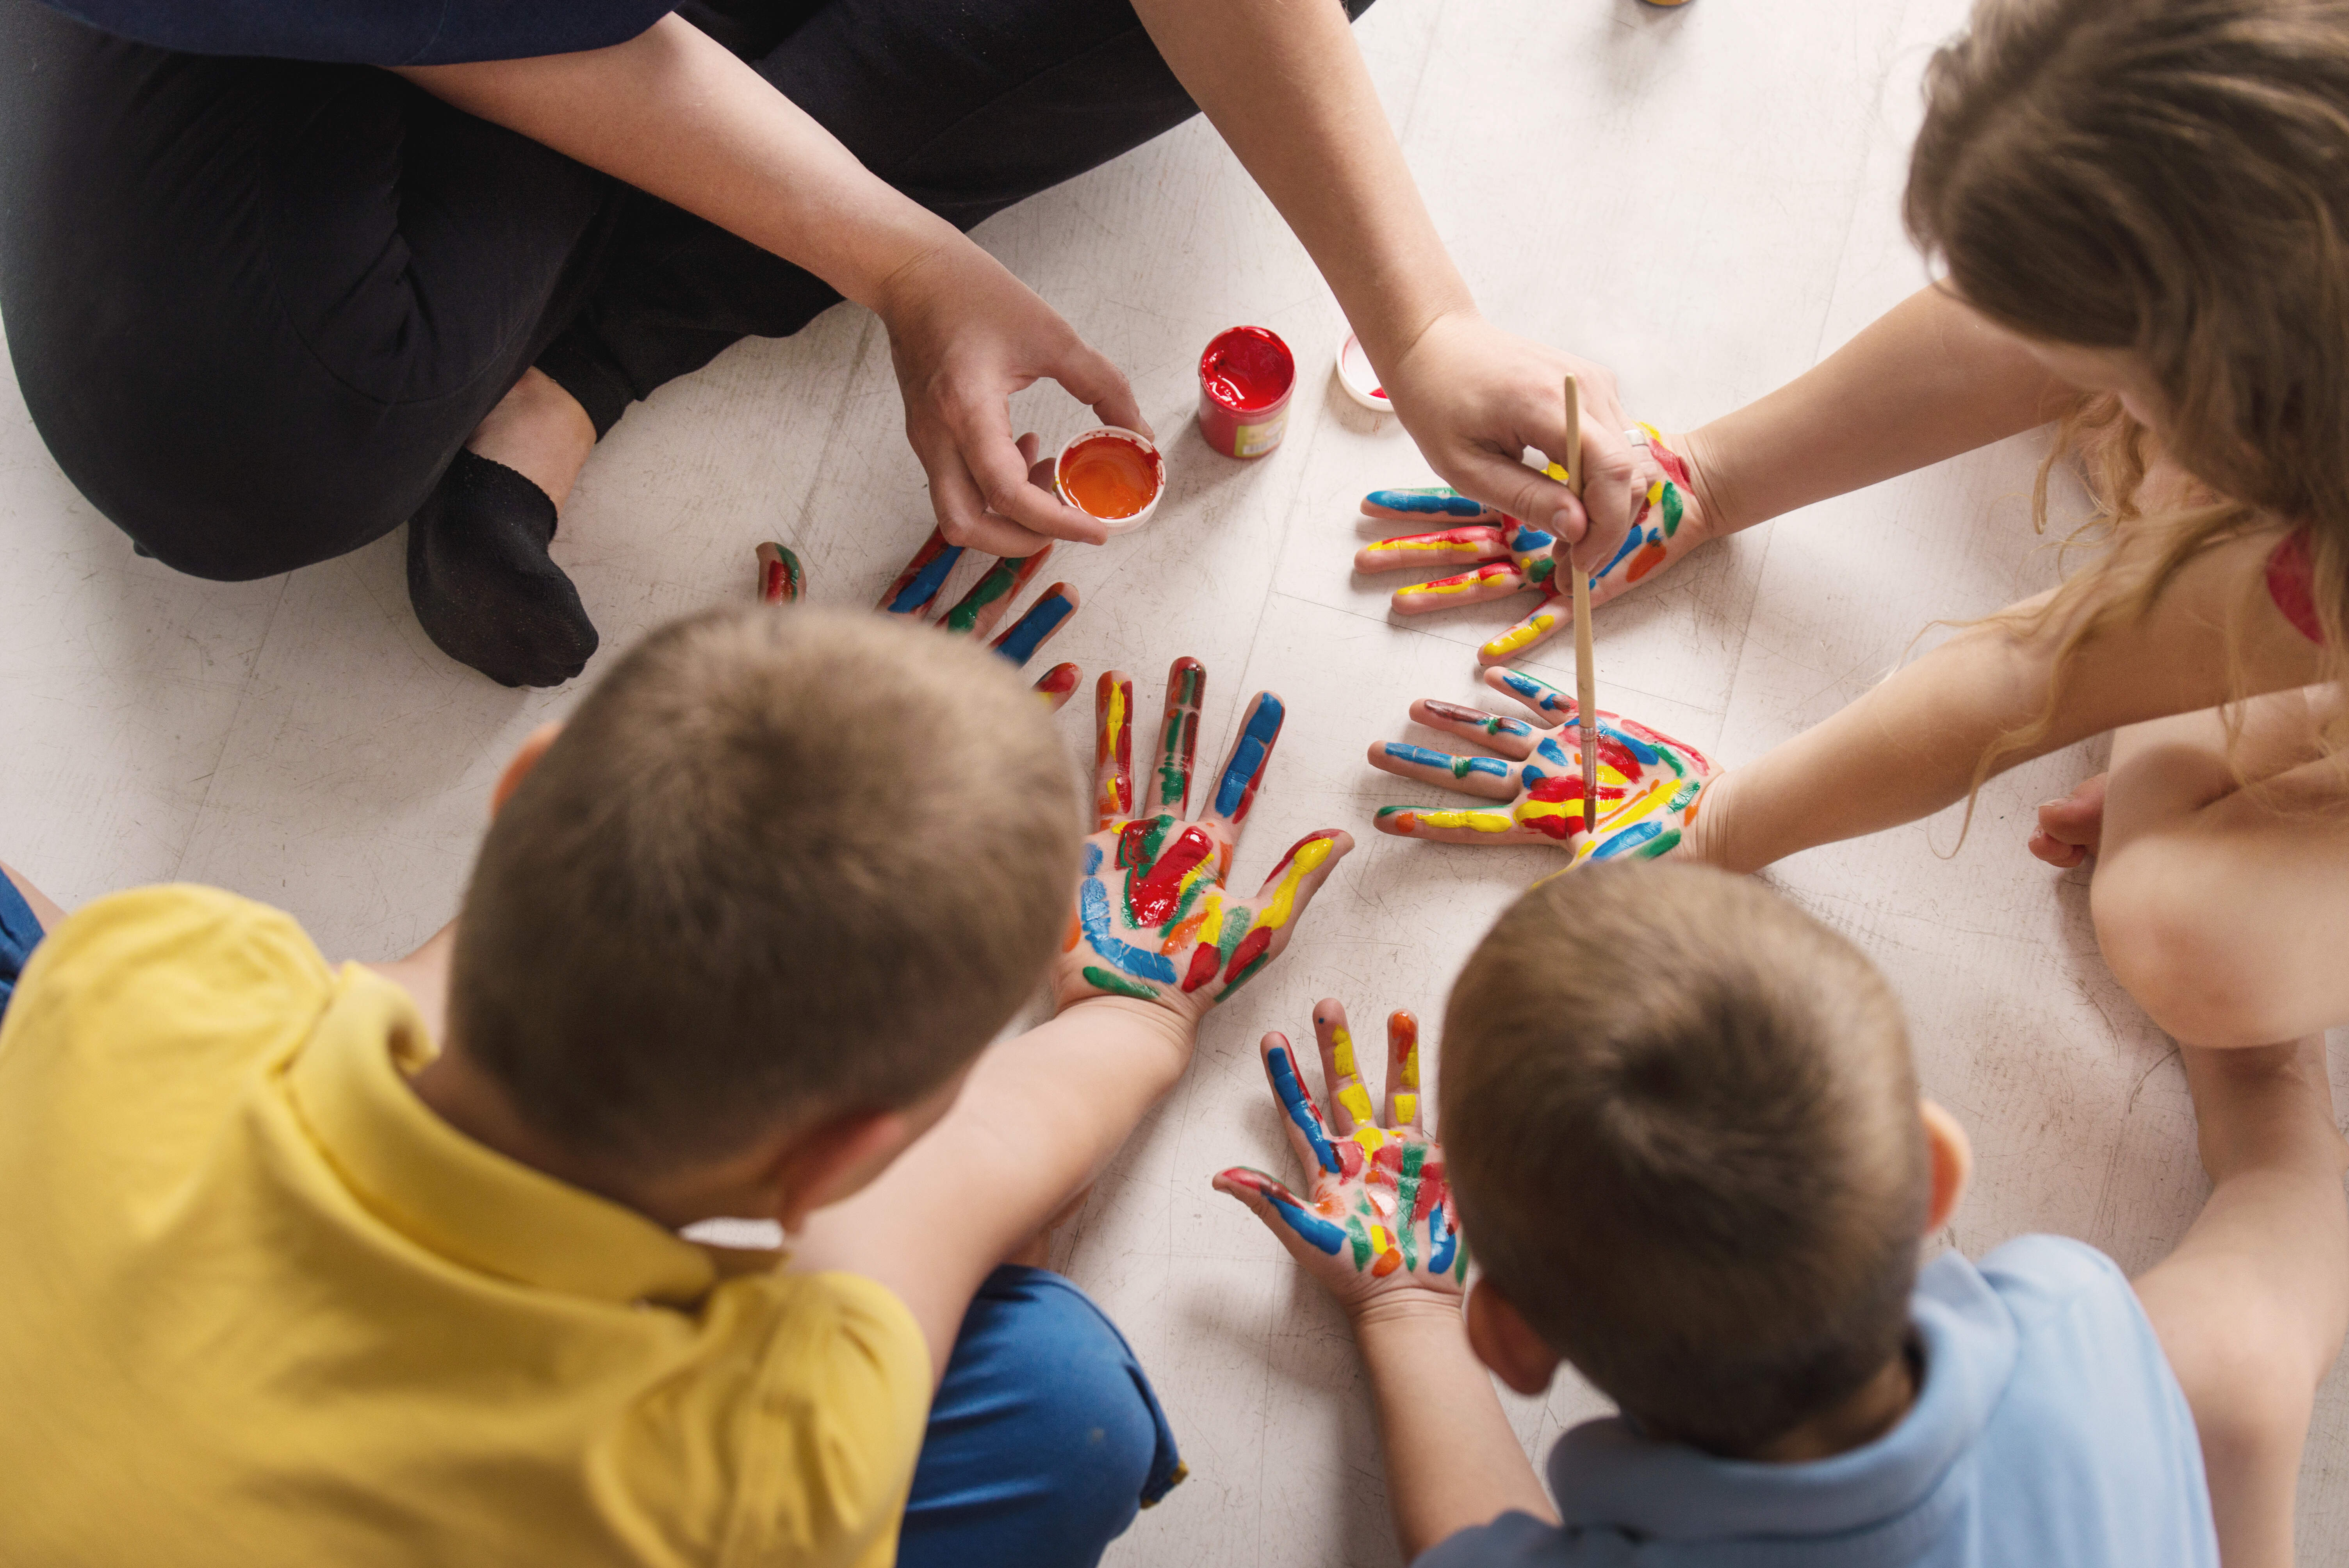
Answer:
(1148, 1024)
(1406, 1311)
(1710, 455)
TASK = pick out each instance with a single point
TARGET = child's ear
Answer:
(1504, 1342)
(1951, 1156)
(834, 1159)
(525, 757)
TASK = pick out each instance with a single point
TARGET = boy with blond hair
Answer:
(383, 1265)
(1682, 1134)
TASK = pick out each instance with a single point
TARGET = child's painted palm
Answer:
(1649, 784)
(1510, 557)
(1153, 920)
(1377, 1214)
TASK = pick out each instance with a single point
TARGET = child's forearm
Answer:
(1910, 746)
(1926, 381)
(1037, 1119)
(1041, 1114)
(1452, 1461)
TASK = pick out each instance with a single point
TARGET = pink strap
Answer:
(2292, 584)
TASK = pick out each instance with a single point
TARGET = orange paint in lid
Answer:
(1112, 474)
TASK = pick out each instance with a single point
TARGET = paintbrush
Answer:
(1585, 674)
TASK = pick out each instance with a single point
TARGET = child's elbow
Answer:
(2204, 977)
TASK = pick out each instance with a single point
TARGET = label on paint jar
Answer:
(1255, 440)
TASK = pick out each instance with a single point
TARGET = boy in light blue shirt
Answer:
(1684, 1137)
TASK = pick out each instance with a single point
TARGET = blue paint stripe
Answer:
(1248, 756)
(1631, 541)
(1543, 699)
(926, 583)
(1311, 1228)
(1440, 501)
(1648, 754)
(1020, 644)
(1093, 911)
(1441, 1243)
(1458, 767)
(1629, 838)
(1551, 752)
(1299, 1109)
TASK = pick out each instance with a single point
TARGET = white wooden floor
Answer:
(1705, 200)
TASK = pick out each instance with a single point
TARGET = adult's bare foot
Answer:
(2070, 829)
(540, 431)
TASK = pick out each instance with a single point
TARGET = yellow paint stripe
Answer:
(1481, 821)
(1534, 628)
(1341, 1050)
(1284, 899)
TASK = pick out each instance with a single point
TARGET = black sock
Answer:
(479, 576)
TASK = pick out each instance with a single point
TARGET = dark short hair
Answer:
(1682, 1123)
(778, 863)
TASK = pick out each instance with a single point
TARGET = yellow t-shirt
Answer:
(263, 1306)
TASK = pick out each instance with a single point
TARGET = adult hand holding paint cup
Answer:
(964, 335)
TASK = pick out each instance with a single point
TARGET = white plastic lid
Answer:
(1360, 382)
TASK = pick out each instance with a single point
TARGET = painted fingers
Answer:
(1648, 787)
(781, 578)
(1377, 1211)
(1242, 774)
(1178, 738)
(978, 611)
(1114, 800)
(1252, 932)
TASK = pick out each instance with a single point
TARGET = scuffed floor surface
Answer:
(1705, 200)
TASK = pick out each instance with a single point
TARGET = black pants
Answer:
(256, 306)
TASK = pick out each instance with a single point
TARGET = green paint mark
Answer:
(1191, 896)
(1671, 509)
(1539, 571)
(1118, 985)
(1236, 925)
(1240, 979)
(1460, 1269)
(991, 587)
(1414, 1155)
(1362, 1243)
(1662, 843)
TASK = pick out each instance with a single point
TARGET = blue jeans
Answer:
(1045, 1438)
(18, 933)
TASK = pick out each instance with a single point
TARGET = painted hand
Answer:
(1509, 557)
(1153, 920)
(964, 335)
(975, 612)
(1474, 397)
(1377, 1214)
(1649, 784)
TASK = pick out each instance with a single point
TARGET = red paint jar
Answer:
(1246, 377)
